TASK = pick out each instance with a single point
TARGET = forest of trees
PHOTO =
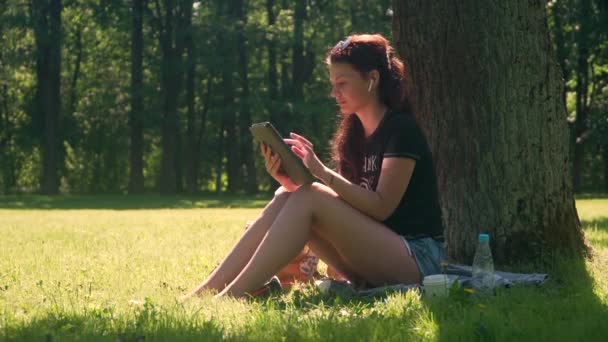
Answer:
(133, 96)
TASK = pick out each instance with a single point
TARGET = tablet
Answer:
(265, 133)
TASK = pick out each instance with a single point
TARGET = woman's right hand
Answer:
(272, 161)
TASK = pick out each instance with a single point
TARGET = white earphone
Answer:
(369, 89)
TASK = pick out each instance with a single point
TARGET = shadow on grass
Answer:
(568, 306)
(148, 325)
(565, 308)
(272, 325)
(130, 202)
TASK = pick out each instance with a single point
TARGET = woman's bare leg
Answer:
(242, 251)
(374, 252)
(331, 257)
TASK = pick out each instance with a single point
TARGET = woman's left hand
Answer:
(304, 149)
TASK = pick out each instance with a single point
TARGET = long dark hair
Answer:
(365, 53)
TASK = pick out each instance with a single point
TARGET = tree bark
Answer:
(136, 125)
(487, 92)
(46, 15)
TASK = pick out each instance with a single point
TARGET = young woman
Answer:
(376, 219)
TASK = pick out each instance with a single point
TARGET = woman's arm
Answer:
(395, 176)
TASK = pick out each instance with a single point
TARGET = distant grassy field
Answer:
(69, 265)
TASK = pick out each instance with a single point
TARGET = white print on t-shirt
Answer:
(369, 164)
(365, 184)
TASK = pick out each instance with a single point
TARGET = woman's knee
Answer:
(281, 195)
(313, 195)
(312, 189)
(281, 192)
(304, 194)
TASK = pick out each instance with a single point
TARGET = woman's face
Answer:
(349, 88)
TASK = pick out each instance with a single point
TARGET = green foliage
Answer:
(571, 28)
(96, 85)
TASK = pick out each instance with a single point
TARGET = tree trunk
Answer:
(487, 92)
(205, 104)
(182, 34)
(273, 81)
(283, 125)
(76, 74)
(8, 161)
(273, 78)
(298, 50)
(219, 168)
(582, 86)
(230, 120)
(168, 181)
(47, 32)
(136, 125)
(173, 28)
(246, 151)
(192, 148)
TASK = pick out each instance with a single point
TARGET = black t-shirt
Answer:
(418, 213)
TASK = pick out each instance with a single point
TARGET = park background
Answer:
(127, 170)
(152, 96)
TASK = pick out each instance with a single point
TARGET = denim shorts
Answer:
(428, 254)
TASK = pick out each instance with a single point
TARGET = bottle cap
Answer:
(484, 238)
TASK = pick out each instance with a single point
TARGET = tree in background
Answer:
(137, 115)
(136, 122)
(8, 167)
(173, 20)
(246, 144)
(580, 31)
(488, 92)
(46, 22)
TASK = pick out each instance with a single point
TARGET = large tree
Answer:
(486, 89)
(136, 126)
(246, 143)
(46, 22)
(173, 21)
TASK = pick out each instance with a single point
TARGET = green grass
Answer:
(69, 265)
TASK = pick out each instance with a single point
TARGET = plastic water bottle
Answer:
(483, 267)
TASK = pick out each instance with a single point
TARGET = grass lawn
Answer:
(69, 265)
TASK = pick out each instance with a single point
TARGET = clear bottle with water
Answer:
(483, 267)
